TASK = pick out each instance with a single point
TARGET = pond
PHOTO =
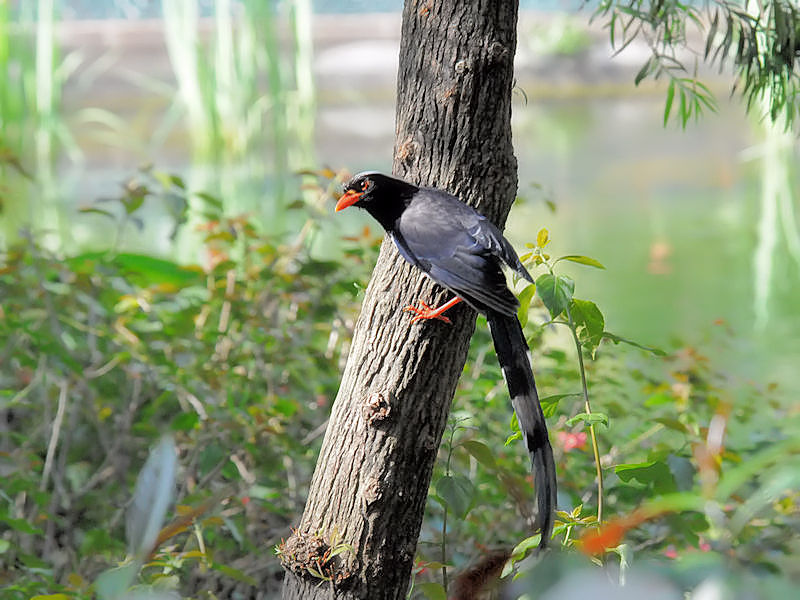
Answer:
(673, 216)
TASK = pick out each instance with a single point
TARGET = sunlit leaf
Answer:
(514, 425)
(481, 452)
(583, 260)
(589, 323)
(525, 298)
(519, 552)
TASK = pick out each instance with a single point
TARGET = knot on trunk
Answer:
(312, 557)
(376, 407)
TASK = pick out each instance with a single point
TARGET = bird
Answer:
(463, 251)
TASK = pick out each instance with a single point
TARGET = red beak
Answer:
(350, 197)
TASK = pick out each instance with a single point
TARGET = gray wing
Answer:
(460, 249)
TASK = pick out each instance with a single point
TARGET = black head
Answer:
(383, 196)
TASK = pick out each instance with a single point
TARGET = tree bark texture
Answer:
(368, 493)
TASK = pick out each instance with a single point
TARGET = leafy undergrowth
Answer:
(238, 360)
(698, 468)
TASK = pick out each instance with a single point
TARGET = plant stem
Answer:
(444, 519)
(588, 409)
(443, 557)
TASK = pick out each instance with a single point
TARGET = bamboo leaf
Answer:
(643, 71)
(670, 98)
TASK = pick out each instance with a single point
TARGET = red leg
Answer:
(428, 312)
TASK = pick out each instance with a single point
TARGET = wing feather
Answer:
(459, 249)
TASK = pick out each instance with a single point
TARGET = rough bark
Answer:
(371, 481)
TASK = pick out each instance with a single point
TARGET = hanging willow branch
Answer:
(759, 41)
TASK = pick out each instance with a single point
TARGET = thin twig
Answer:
(91, 373)
(54, 434)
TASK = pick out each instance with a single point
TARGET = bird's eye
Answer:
(365, 185)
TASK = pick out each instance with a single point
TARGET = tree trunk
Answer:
(358, 534)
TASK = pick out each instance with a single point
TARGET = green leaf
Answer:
(20, 525)
(550, 403)
(652, 473)
(433, 565)
(772, 485)
(235, 574)
(658, 399)
(642, 72)
(582, 260)
(432, 590)
(519, 552)
(555, 291)
(113, 583)
(671, 423)
(99, 211)
(734, 477)
(617, 339)
(168, 180)
(457, 492)
(132, 203)
(589, 323)
(525, 298)
(514, 425)
(185, 421)
(481, 452)
(683, 110)
(670, 98)
(589, 419)
(212, 201)
(157, 270)
(522, 548)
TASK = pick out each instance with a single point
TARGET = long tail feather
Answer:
(513, 354)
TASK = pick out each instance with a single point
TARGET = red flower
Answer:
(570, 441)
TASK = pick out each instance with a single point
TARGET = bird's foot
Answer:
(426, 312)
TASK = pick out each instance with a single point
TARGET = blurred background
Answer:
(166, 178)
(697, 228)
